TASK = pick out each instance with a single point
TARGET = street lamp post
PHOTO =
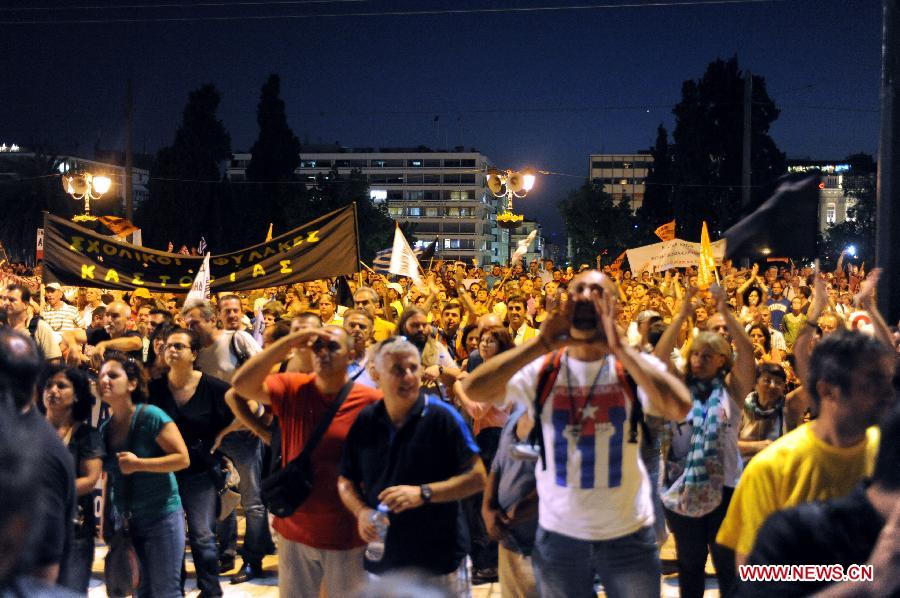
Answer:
(510, 184)
(85, 186)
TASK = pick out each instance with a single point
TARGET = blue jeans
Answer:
(628, 567)
(246, 451)
(76, 574)
(159, 544)
(199, 497)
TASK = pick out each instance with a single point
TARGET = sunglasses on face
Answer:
(330, 346)
(176, 346)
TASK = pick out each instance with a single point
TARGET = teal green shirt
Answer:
(153, 495)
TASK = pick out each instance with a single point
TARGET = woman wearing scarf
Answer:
(702, 461)
(764, 411)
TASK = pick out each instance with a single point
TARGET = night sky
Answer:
(541, 88)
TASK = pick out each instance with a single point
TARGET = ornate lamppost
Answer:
(85, 186)
(510, 184)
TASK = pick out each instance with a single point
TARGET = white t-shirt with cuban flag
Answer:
(595, 486)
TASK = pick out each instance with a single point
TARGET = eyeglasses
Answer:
(766, 381)
(330, 346)
(176, 346)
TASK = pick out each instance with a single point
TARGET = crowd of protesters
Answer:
(536, 426)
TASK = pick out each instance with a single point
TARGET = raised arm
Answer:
(667, 394)
(488, 382)
(249, 381)
(743, 374)
(666, 343)
(865, 299)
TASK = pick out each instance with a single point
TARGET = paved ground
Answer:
(268, 586)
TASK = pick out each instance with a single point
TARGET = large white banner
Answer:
(670, 254)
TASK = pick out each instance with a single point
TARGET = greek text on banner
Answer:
(325, 247)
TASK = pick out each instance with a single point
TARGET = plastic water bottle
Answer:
(375, 549)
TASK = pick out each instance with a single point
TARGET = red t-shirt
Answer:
(321, 521)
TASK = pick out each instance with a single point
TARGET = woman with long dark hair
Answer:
(143, 449)
(67, 401)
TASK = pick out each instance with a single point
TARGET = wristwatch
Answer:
(425, 489)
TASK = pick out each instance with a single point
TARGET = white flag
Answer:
(200, 289)
(403, 260)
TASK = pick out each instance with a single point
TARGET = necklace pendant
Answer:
(572, 432)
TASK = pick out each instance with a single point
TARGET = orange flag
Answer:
(616, 265)
(666, 232)
(707, 268)
(119, 226)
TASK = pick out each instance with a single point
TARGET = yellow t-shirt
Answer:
(795, 469)
(383, 330)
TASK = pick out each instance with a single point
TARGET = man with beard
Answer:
(436, 361)
(320, 544)
(359, 326)
(595, 510)
(222, 352)
(518, 327)
(449, 330)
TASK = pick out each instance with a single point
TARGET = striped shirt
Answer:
(65, 317)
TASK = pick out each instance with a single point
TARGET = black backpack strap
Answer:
(32, 326)
(239, 355)
(637, 410)
(323, 425)
(546, 379)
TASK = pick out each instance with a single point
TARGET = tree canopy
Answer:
(708, 152)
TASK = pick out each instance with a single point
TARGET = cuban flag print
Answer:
(588, 453)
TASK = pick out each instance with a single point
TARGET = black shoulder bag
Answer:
(121, 568)
(286, 489)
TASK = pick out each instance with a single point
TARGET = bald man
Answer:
(118, 336)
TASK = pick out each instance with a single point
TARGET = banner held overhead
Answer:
(325, 247)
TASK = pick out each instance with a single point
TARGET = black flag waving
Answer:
(784, 225)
